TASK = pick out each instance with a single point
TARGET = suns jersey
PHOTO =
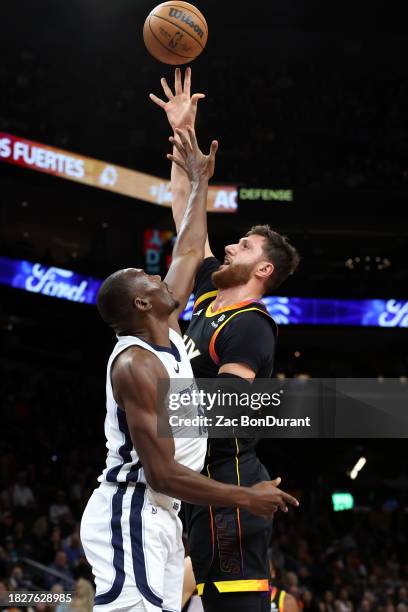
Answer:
(206, 328)
(122, 462)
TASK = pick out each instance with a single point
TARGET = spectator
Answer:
(59, 508)
(10, 548)
(22, 494)
(22, 543)
(61, 566)
(343, 603)
(41, 549)
(18, 581)
(82, 600)
(308, 601)
(73, 549)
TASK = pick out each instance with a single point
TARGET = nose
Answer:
(230, 249)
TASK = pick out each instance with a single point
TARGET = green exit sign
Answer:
(342, 501)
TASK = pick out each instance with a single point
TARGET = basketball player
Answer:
(230, 335)
(281, 601)
(130, 530)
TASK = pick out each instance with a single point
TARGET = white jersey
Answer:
(123, 463)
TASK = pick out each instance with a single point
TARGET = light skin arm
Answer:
(188, 251)
(135, 380)
(290, 604)
(181, 109)
(237, 369)
(189, 583)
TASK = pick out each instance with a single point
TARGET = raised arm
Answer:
(188, 251)
(135, 377)
(181, 110)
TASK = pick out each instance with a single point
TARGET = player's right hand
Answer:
(265, 498)
(181, 107)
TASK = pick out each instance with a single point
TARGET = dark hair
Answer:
(114, 298)
(279, 252)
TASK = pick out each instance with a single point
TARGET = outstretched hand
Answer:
(190, 159)
(181, 107)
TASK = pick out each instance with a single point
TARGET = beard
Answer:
(232, 275)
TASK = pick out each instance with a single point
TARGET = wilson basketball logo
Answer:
(185, 18)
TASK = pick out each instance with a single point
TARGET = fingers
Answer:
(166, 88)
(281, 505)
(277, 481)
(177, 161)
(289, 499)
(187, 82)
(178, 146)
(192, 137)
(195, 98)
(183, 139)
(157, 100)
(213, 151)
(178, 88)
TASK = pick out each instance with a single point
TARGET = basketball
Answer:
(175, 32)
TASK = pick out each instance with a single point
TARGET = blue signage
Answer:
(68, 285)
(321, 311)
(48, 280)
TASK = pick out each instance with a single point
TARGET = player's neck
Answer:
(235, 295)
(155, 331)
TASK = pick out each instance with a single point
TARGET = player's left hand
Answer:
(195, 164)
(181, 107)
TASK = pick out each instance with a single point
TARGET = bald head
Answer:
(127, 296)
(116, 295)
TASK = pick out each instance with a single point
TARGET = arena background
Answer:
(308, 101)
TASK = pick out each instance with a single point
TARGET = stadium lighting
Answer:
(359, 465)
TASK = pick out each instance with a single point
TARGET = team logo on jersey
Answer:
(221, 318)
(196, 314)
(177, 370)
(191, 349)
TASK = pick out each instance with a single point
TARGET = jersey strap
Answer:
(212, 350)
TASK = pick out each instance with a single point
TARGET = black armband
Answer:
(233, 376)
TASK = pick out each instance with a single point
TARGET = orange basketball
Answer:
(175, 32)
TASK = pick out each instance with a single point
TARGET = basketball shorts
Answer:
(229, 546)
(132, 538)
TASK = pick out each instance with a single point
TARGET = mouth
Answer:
(226, 261)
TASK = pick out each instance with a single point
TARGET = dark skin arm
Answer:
(188, 251)
(135, 377)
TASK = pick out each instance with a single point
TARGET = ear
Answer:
(142, 304)
(265, 270)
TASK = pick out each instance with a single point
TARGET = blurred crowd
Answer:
(344, 562)
(48, 468)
